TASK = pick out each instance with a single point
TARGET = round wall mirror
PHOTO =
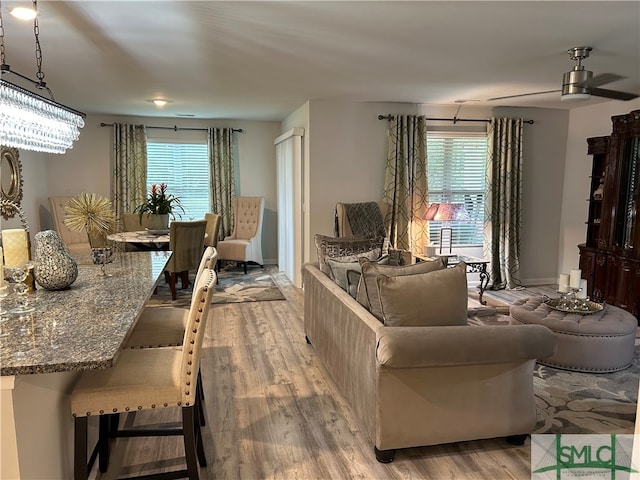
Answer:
(10, 181)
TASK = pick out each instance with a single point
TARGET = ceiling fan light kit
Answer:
(580, 84)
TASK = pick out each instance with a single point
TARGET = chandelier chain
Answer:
(36, 33)
(2, 53)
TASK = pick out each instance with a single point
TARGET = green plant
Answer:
(159, 202)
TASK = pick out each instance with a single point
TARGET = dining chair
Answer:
(213, 229)
(164, 326)
(146, 379)
(244, 245)
(186, 241)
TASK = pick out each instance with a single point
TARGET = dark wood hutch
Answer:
(610, 257)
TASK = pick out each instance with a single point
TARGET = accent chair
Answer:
(244, 245)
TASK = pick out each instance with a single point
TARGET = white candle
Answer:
(574, 279)
(16, 247)
(563, 282)
(583, 289)
(1, 268)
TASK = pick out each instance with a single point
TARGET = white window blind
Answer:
(456, 168)
(184, 167)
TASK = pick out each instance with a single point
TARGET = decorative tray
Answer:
(157, 232)
(584, 307)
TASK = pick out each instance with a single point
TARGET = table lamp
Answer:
(446, 212)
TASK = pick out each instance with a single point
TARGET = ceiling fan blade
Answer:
(523, 95)
(602, 92)
(601, 79)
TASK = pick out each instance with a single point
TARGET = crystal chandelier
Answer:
(31, 121)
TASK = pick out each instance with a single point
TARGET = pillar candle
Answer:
(563, 282)
(16, 247)
(574, 279)
(583, 289)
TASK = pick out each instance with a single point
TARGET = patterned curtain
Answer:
(406, 184)
(503, 202)
(129, 181)
(222, 182)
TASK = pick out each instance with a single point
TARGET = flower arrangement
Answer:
(159, 202)
(93, 213)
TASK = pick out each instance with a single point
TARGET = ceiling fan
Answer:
(580, 84)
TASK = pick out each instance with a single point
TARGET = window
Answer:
(184, 167)
(456, 168)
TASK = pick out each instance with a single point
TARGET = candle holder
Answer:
(570, 301)
(19, 275)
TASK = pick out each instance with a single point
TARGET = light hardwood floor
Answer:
(274, 413)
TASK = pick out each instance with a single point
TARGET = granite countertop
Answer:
(83, 327)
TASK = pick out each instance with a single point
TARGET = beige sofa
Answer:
(417, 386)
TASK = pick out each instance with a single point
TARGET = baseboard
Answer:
(539, 281)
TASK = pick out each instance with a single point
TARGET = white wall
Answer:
(584, 122)
(86, 167)
(347, 149)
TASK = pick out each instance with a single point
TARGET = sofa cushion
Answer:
(426, 299)
(346, 248)
(368, 290)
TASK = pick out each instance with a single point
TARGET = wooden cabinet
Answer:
(610, 256)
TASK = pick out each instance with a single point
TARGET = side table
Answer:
(474, 265)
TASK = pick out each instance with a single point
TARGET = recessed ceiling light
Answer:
(159, 102)
(24, 13)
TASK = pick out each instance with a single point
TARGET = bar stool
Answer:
(145, 379)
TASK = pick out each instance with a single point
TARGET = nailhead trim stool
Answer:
(599, 342)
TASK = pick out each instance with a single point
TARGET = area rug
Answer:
(233, 287)
(575, 402)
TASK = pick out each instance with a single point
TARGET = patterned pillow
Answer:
(345, 248)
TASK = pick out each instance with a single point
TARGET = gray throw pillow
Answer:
(427, 299)
(354, 247)
(368, 290)
(345, 273)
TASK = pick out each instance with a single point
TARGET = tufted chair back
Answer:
(194, 335)
(247, 216)
(76, 242)
(244, 245)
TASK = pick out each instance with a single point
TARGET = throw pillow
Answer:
(354, 247)
(368, 290)
(345, 273)
(428, 299)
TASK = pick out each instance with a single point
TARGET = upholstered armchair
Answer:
(244, 245)
(76, 242)
(361, 219)
(343, 226)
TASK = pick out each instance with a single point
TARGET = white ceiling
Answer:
(262, 60)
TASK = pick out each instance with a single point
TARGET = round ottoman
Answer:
(599, 342)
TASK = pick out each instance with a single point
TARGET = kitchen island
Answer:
(43, 352)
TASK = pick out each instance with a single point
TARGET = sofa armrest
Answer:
(413, 347)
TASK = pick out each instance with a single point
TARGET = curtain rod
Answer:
(454, 119)
(175, 128)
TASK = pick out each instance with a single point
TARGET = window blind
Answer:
(184, 167)
(456, 168)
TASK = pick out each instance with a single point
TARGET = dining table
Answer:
(143, 239)
(43, 352)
